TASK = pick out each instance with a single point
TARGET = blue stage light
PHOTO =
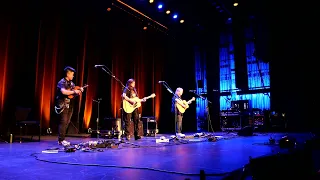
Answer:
(160, 6)
(175, 16)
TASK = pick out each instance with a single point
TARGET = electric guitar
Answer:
(129, 108)
(186, 104)
(76, 88)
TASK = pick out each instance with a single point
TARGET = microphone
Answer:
(192, 90)
(161, 81)
(215, 90)
(98, 65)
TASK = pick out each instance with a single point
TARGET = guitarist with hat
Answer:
(64, 105)
(130, 92)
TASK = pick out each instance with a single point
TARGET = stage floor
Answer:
(142, 159)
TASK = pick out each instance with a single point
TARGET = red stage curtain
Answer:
(49, 70)
(48, 58)
(138, 55)
(4, 60)
(135, 54)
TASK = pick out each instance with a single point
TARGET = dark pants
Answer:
(126, 118)
(64, 120)
(178, 121)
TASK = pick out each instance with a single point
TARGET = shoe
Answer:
(137, 137)
(180, 135)
(128, 138)
(64, 143)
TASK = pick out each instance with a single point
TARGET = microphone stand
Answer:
(208, 111)
(98, 101)
(165, 84)
(108, 71)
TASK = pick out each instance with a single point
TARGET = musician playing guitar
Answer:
(64, 103)
(178, 108)
(130, 92)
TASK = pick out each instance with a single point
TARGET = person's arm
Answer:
(62, 87)
(180, 102)
(124, 95)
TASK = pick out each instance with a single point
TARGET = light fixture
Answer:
(181, 21)
(168, 12)
(235, 4)
(49, 131)
(108, 9)
(175, 16)
(160, 6)
(89, 130)
(145, 28)
(150, 1)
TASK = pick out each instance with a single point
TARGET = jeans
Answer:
(126, 118)
(64, 120)
(178, 121)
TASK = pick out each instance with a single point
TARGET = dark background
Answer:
(37, 39)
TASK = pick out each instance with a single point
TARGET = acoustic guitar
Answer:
(76, 88)
(129, 108)
(186, 104)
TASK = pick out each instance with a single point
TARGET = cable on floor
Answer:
(126, 167)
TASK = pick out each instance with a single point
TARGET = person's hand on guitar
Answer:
(81, 89)
(133, 102)
(77, 92)
(143, 100)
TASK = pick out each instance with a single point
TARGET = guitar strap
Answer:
(62, 106)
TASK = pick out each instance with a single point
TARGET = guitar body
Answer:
(182, 109)
(128, 107)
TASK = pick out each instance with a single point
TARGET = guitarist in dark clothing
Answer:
(64, 105)
(178, 116)
(131, 92)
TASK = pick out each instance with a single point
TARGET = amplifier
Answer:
(150, 126)
(229, 113)
(227, 122)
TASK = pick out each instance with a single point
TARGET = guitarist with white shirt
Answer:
(178, 108)
(130, 92)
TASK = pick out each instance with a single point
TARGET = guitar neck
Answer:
(147, 97)
(190, 101)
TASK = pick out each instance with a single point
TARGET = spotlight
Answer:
(160, 6)
(109, 9)
(175, 16)
(168, 12)
(150, 1)
(145, 28)
(235, 4)
(181, 21)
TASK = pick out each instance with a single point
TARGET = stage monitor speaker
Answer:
(246, 131)
(200, 84)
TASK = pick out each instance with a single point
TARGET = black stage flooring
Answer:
(142, 159)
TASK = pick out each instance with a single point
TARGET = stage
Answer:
(142, 159)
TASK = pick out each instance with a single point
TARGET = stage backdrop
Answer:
(37, 42)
